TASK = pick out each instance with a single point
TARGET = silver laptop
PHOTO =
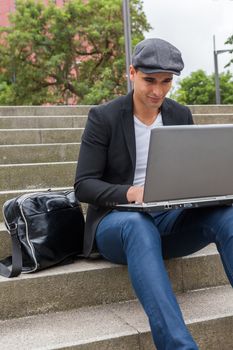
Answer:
(188, 166)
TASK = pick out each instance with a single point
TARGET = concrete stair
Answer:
(95, 281)
(121, 325)
(90, 305)
(19, 176)
(44, 153)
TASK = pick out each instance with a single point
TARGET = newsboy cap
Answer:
(156, 55)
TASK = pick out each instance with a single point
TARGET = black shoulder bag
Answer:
(46, 229)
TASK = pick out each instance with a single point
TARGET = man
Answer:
(111, 169)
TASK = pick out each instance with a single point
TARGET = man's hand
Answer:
(135, 194)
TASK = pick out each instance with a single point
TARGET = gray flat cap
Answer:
(156, 55)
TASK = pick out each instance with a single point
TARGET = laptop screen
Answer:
(189, 161)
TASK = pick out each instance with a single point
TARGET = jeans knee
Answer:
(223, 224)
(140, 230)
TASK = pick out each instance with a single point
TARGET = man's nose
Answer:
(157, 90)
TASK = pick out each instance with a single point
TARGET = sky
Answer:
(190, 26)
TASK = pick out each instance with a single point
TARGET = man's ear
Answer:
(132, 72)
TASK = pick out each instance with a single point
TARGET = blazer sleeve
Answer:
(89, 184)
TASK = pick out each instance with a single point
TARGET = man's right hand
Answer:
(135, 194)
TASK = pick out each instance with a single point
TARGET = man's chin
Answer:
(155, 103)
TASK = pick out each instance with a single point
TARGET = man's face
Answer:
(150, 89)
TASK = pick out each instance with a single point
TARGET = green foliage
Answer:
(230, 42)
(73, 54)
(6, 94)
(199, 88)
(226, 88)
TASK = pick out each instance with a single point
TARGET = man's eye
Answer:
(148, 80)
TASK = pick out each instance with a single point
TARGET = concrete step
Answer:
(208, 109)
(5, 242)
(35, 136)
(44, 110)
(224, 118)
(83, 110)
(40, 153)
(94, 281)
(37, 122)
(208, 314)
(33, 176)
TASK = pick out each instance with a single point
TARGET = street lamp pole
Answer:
(217, 83)
(127, 34)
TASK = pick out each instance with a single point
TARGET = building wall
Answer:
(8, 6)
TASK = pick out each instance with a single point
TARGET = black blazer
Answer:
(107, 157)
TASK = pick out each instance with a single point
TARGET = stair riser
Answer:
(209, 335)
(209, 109)
(5, 244)
(23, 297)
(214, 334)
(42, 122)
(122, 326)
(44, 110)
(130, 342)
(35, 136)
(94, 287)
(80, 121)
(83, 110)
(40, 136)
(39, 153)
(210, 119)
(35, 176)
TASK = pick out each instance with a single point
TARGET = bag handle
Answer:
(12, 266)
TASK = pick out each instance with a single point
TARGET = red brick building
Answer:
(8, 6)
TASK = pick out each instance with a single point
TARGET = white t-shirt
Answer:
(142, 136)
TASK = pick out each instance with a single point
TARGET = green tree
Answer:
(226, 87)
(230, 42)
(69, 54)
(199, 88)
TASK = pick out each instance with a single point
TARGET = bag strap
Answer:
(12, 266)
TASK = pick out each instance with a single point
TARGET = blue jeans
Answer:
(142, 240)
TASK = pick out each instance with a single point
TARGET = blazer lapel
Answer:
(167, 115)
(128, 126)
(128, 123)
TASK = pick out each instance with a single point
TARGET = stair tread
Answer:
(97, 263)
(91, 324)
(85, 115)
(44, 116)
(27, 190)
(83, 265)
(213, 114)
(2, 227)
(35, 164)
(39, 129)
(39, 145)
(95, 281)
